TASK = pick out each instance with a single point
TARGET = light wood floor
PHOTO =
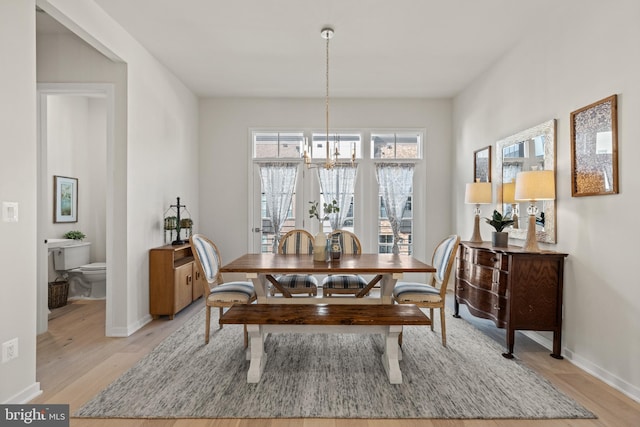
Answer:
(75, 361)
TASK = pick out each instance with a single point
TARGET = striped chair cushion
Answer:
(348, 244)
(241, 292)
(344, 281)
(209, 258)
(415, 292)
(297, 281)
(441, 257)
(297, 243)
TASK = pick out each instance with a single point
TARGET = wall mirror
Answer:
(531, 149)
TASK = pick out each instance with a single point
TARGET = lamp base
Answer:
(531, 243)
(514, 216)
(475, 237)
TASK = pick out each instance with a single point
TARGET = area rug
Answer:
(330, 376)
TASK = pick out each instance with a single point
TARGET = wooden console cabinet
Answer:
(175, 280)
(518, 290)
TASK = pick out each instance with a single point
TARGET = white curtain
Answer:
(338, 184)
(278, 185)
(396, 184)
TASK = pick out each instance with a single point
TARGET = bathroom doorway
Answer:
(75, 134)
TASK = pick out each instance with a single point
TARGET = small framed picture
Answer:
(65, 199)
(594, 149)
(482, 165)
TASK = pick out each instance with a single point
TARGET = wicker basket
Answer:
(58, 293)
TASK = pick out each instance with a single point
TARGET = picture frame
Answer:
(594, 149)
(482, 164)
(65, 199)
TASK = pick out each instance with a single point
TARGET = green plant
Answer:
(74, 234)
(327, 209)
(498, 221)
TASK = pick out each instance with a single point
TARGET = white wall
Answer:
(18, 184)
(225, 125)
(77, 147)
(569, 62)
(155, 152)
(154, 160)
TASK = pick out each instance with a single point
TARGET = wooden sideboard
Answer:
(175, 280)
(518, 290)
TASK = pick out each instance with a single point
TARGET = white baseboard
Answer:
(25, 396)
(121, 332)
(618, 383)
(607, 377)
(540, 339)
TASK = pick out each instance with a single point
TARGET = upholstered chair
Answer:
(432, 294)
(217, 293)
(299, 242)
(349, 284)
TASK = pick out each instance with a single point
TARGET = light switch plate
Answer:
(10, 211)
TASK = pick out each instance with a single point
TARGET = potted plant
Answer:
(74, 234)
(320, 241)
(499, 222)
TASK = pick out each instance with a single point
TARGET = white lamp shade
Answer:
(509, 192)
(478, 193)
(535, 185)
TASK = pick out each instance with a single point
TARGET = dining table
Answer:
(386, 269)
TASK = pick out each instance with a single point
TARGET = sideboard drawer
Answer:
(485, 258)
(477, 275)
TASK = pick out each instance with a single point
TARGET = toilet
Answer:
(86, 280)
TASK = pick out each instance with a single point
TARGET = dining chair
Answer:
(344, 283)
(217, 293)
(431, 295)
(299, 242)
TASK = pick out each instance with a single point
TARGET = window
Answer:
(338, 185)
(396, 187)
(268, 231)
(349, 145)
(277, 145)
(397, 148)
(405, 145)
(385, 233)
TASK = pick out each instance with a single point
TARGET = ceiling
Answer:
(381, 48)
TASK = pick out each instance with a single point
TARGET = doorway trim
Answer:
(106, 91)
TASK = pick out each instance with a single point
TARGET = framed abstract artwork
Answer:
(482, 165)
(594, 149)
(65, 199)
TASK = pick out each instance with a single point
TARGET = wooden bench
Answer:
(386, 319)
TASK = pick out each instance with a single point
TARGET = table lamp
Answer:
(508, 196)
(477, 193)
(533, 186)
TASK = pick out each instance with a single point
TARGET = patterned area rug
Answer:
(332, 376)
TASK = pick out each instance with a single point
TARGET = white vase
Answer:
(320, 247)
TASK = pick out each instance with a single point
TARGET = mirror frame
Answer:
(548, 129)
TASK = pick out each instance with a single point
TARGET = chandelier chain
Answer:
(327, 99)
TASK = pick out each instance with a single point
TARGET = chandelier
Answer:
(331, 154)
